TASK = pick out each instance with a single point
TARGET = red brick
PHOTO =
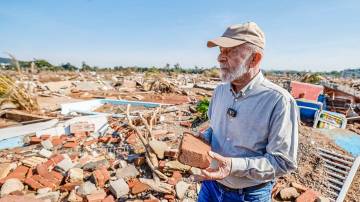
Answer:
(70, 186)
(33, 183)
(101, 176)
(49, 164)
(44, 137)
(70, 145)
(56, 141)
(186, 124)
(35, 140)
(139, 187)
(132, 139)
(90, 142)
(173, 153)
(43, 170)
(56, 175)
(45, 182)
(194, 152)
(96, 197)
(80, 135)
(20, 172)
(105, 139)
(175, 178)
(308, 196)
(132, 182)
(29, 173)
(162, 165)
(169, 197)
(63, 137)
(57, 158)
(109, 198)
(151, 200)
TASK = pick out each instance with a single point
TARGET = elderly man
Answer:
(253, 123)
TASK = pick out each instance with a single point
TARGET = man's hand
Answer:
(223, 168)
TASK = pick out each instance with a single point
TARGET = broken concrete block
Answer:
(44, 190)
(47, 144)
(158, 147)
(5, 169)
(91, 166)
(119, 188)
(289, 193)
(81, 127)
(86, 188)
(127, 172)
(175, 165)
(65, 165)
(33, 161)
(181, 188)
(11, 185)
(76, 174)
(45, 153)
(194, 152)
(50, 196)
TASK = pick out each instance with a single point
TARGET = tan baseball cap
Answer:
(238, 34)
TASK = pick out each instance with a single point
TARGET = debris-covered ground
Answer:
(137, 157)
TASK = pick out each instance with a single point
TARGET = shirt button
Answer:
(236, 100)
(228, 139)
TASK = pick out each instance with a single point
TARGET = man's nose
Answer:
(222, 58)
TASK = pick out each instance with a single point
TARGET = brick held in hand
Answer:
(194, 152)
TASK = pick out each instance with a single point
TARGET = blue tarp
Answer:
(346, 139)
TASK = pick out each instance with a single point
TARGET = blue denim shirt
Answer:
(263, 137)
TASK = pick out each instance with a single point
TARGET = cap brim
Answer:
(224, 42)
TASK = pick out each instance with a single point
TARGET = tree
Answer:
(43, 64)
(69, 67)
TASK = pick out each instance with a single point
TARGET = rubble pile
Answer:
(144, 154)
(131, 161)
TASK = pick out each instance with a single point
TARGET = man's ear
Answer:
(255, 60)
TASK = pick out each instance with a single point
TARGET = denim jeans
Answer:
(212, 192)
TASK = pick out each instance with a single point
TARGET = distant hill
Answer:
(5, 60)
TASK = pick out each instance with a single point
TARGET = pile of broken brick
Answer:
(296, 192)
(117, 165)
(134, 160)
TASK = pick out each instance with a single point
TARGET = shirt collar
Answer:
(246, 89)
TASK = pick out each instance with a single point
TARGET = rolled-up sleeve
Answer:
(281, 151)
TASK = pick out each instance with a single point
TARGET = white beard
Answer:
(227, 75)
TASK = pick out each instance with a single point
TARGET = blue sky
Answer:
(301, 35)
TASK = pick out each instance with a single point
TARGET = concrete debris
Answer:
(129, 171)
(11, 185)
(86, 188)
(181, 188)
(45, 153)
(119, 188)
(289, 194)
(78, 148)
(158, 147)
